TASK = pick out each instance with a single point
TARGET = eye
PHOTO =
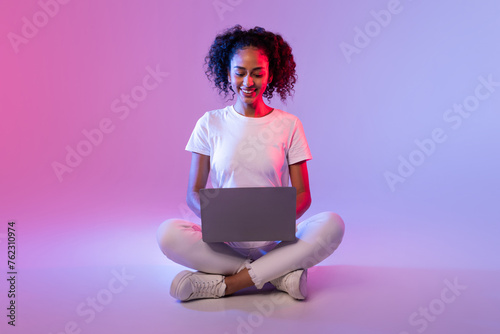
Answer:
(240, 74)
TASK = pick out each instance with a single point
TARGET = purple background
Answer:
(360, 113)
(64, 69)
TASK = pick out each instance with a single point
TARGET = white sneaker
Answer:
(188, 285)
(294, 283)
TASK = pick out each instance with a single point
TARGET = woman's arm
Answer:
(198, 175)
(300, 180)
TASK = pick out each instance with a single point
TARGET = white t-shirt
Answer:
(249, 151)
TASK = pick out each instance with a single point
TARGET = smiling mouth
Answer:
(247, 91)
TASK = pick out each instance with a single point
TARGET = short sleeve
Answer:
(299, 149)
(199, 140)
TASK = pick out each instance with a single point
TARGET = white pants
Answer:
(317, 238)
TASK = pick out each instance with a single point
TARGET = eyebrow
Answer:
(242, 68)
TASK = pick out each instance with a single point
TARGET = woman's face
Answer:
(249, 75)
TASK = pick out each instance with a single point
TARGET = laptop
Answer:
(248, 214)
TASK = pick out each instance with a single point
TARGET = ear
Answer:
(270, 79)
(228, 76)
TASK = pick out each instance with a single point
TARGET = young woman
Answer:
(248, 144)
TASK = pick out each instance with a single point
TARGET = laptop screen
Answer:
(248, 214)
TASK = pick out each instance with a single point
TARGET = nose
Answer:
(248, 81)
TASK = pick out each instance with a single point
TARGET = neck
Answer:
(252, 110)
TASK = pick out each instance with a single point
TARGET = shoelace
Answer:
(282, 282)
(205, 289)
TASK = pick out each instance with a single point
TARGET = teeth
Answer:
(247, 91)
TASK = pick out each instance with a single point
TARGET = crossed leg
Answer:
(317, 238)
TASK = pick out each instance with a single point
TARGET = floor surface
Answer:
(342, 299)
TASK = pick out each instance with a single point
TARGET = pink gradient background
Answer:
(358, 118)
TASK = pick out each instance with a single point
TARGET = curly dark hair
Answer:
(278, 52)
